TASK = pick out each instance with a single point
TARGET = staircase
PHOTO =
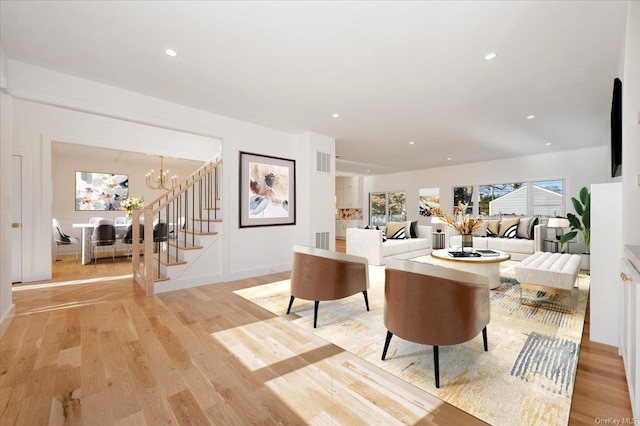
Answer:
(176, 238)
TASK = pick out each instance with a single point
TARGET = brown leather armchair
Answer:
(434, 305)
(326, 275)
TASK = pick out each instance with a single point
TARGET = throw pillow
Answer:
(532, 226)
(396, 230)
(414, 229)
(509, 227)
(481, 231)
(525, 227)
(492, 228)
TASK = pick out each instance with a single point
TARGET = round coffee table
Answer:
(488, 266)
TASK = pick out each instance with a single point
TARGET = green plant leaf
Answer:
(577, 206)
(568, 237)
(586, 219)
(584, 196)
(574, 221)
(587, 205)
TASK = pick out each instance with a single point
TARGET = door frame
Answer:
(19, 274)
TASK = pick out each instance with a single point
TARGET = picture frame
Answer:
(100, 191)
(267, 190)
(428, 199)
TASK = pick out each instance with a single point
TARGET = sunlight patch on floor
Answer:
(67, 283)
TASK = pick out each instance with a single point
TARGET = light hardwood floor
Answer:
(84, 348)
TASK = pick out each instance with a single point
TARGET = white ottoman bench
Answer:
(549, 272)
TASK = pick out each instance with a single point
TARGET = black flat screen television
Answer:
(616, 129)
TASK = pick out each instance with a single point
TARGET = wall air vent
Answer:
(322, 240)
(323, 162)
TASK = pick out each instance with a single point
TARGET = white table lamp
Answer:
(559, 223)
(435, 220)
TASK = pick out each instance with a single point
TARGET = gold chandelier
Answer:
(162, 180)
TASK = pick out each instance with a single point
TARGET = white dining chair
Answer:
(61, 238)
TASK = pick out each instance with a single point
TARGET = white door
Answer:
(16, 219)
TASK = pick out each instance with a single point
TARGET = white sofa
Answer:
(518, 248)
(368, 243)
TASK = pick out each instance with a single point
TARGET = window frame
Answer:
(474, 207)
(386, 207)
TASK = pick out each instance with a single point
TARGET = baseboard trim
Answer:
(6, 321)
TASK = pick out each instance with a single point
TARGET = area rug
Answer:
(526, 377)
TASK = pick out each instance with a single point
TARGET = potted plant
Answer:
(461, 222)
(581, 223)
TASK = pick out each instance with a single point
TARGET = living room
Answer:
(42, 105)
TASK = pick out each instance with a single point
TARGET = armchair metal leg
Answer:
(436, 363)
(290, 303)
(366, 299)
(484, 339)
(386, 344)
(315, 313)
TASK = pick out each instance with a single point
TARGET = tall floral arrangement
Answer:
(460, 221)
(133, 203)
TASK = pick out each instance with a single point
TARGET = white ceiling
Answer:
(394, 71)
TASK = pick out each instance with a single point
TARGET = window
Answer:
(526, 198)
(503, 199)
(387, 207)
(548, 199)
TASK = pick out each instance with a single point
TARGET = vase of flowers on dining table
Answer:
(131, 204)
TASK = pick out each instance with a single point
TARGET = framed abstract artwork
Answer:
(101, 191)
(429, 199)
(267, 190)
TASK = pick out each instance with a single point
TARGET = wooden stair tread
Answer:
(182, 246)
(171, 261)
(157, 277)
(191, 231)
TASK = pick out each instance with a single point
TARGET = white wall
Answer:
(57, 107)
(579, 168)
(606, 252)
(631, 127)
(257, 250)
(318, 191)
(6, 126)
(6, 305)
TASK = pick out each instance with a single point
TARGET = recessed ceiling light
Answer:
(335, 115)
(529, 117)
(448, 158)
(368, 171)
(548, 144)
(171, 52)
(411, 142)
(490, 56)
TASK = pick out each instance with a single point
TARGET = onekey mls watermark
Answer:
(617, 421)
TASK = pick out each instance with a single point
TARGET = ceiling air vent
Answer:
(323, 162)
